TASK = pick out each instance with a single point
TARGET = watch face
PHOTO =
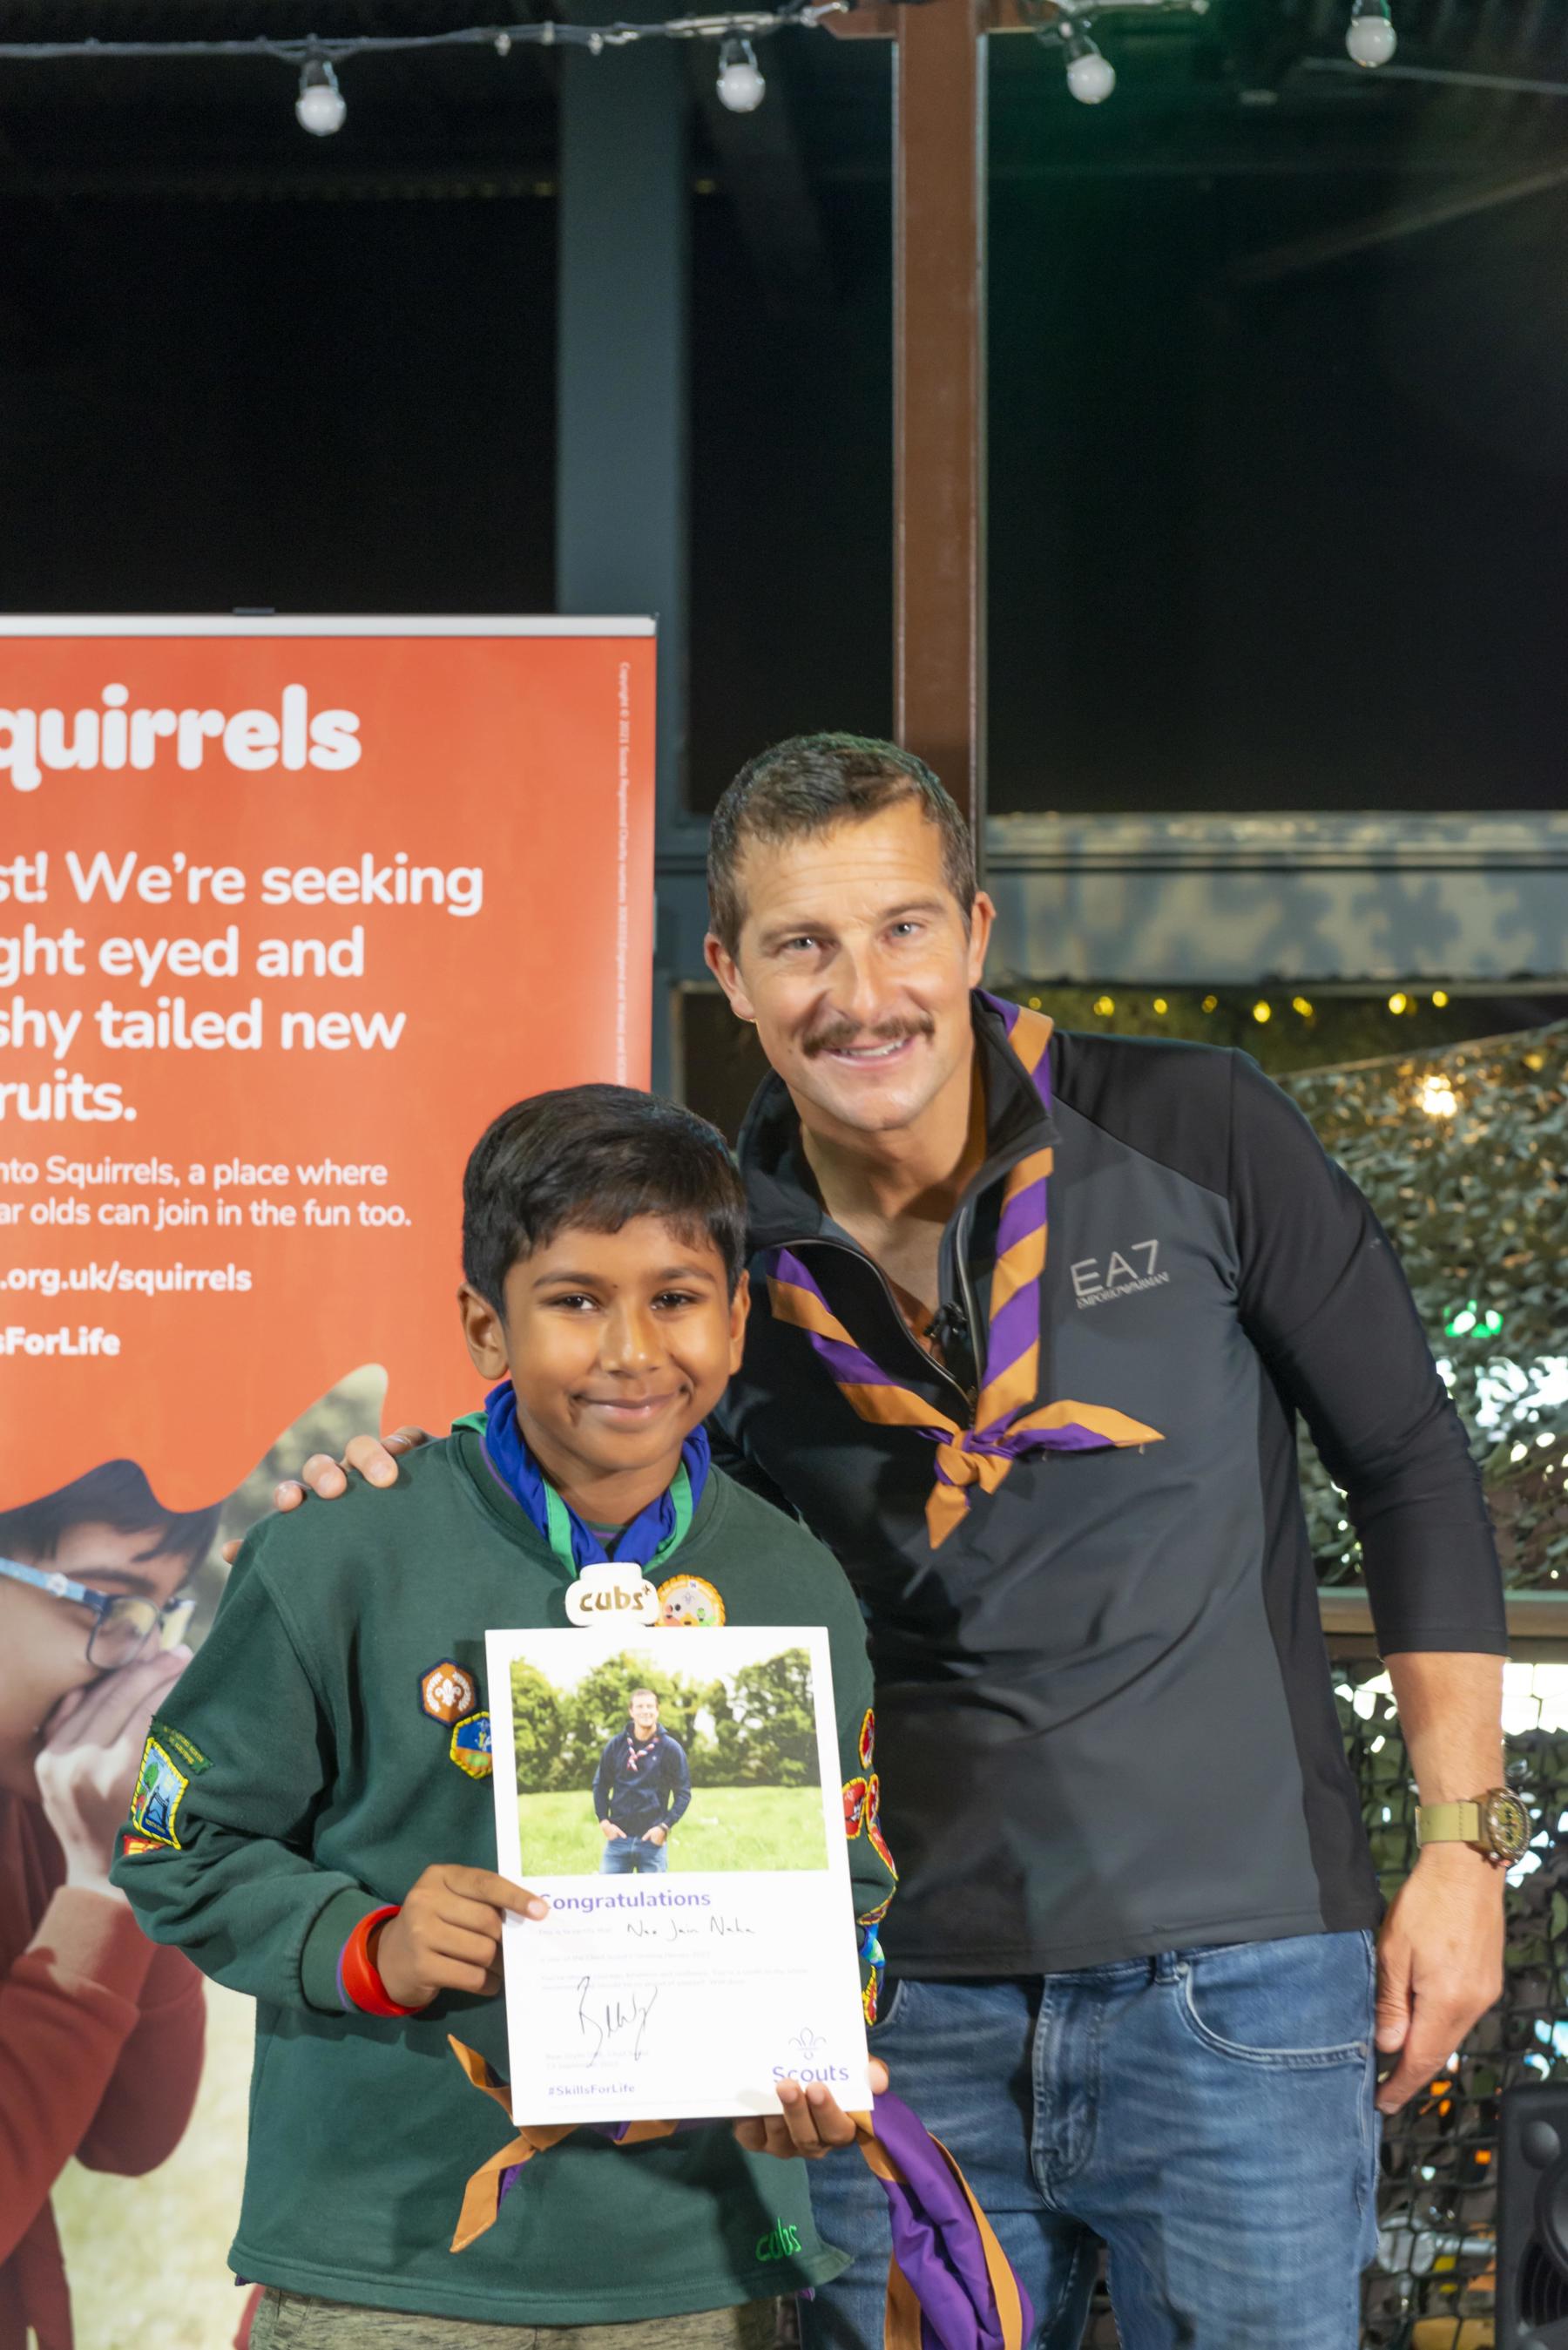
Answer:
(1505, 1825)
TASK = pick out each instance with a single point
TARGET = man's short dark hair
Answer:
(814, 781)
(115, 1494)
(595, 1156)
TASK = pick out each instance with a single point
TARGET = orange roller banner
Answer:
(288, 910)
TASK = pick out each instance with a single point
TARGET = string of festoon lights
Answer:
(321, 107)
(1067, 26)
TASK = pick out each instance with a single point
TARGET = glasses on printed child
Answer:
(122, 1623)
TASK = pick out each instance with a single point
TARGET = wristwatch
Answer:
(1495, 1824)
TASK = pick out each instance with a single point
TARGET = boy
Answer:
(313, 1823)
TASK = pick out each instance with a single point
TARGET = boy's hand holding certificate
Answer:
(675, 1800)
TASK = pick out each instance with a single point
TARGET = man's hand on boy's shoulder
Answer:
(447, 1935)
(811, 2123)
(375, 1457)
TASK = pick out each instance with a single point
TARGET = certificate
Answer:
(675, 1798)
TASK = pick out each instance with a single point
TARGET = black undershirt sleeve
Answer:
(1323, 1300)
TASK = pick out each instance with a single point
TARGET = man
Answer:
(1131, 1957)
(101, 2035)
(641, 1788)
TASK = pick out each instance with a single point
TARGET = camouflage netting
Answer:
(1461, 1153)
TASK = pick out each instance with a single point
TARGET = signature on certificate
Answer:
(671, 1930)
(605, 2021)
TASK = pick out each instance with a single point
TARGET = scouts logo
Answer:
(687, 1599)
(160, 1790)
(447, 1692)
(469, 1748)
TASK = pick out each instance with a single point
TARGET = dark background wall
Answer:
(1297, 542)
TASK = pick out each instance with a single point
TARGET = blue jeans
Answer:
(626, 1855)
(1207, 2115)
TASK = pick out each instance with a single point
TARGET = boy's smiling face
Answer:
(617, 1345)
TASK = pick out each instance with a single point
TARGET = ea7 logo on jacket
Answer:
(1119, 1276)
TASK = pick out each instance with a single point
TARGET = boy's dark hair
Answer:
(813, 781)
(115, 1494)
(595, 1156)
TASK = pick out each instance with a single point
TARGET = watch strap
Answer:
(1448, 1823)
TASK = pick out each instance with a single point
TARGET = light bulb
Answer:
(1371, 38)
(741, 87)
(1091, 78)
(320, 107)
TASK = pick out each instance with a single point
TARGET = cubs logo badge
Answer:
(687, 1599)
(469, 1748)
(447, 1692)
(160, 1791)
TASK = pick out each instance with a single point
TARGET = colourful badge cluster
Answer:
(449, 1695)
(861, 1813)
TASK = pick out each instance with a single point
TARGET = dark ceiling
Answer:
(1280, 377)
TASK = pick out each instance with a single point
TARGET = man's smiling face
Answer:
(856, 962)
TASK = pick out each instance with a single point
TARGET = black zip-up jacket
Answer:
(1105, 1725)
(655, 1796)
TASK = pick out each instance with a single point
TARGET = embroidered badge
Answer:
(868, 1739)
(687, 1599)
(469, 1748)
(188, 1755)
(130, 1845)
(160, 1790)
(780, 2243)
(853, 1806)
(868, 1998)
(447, 1692)
(874, 1826)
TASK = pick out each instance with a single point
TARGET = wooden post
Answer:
(938, 362)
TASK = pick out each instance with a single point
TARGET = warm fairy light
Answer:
(1440, 996)
(1105, 1005)
(1211, 1003)
(1161, 1007)
(1438, 1098)
(1300, 1004)
(1398, 1003)
(1262, 1011)
(1034, 1004)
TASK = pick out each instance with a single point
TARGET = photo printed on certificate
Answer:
(677, 1802)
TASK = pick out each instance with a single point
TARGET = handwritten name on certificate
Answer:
(674, 1794)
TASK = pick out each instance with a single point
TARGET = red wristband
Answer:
(359, 1984)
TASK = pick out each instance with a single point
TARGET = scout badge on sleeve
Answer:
(949, 2281)
(161, 1784)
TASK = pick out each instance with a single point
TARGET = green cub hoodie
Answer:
(298, 1782)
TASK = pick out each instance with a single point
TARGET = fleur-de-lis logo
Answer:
(807, 2042)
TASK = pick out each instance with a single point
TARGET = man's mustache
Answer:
(841, 1034)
